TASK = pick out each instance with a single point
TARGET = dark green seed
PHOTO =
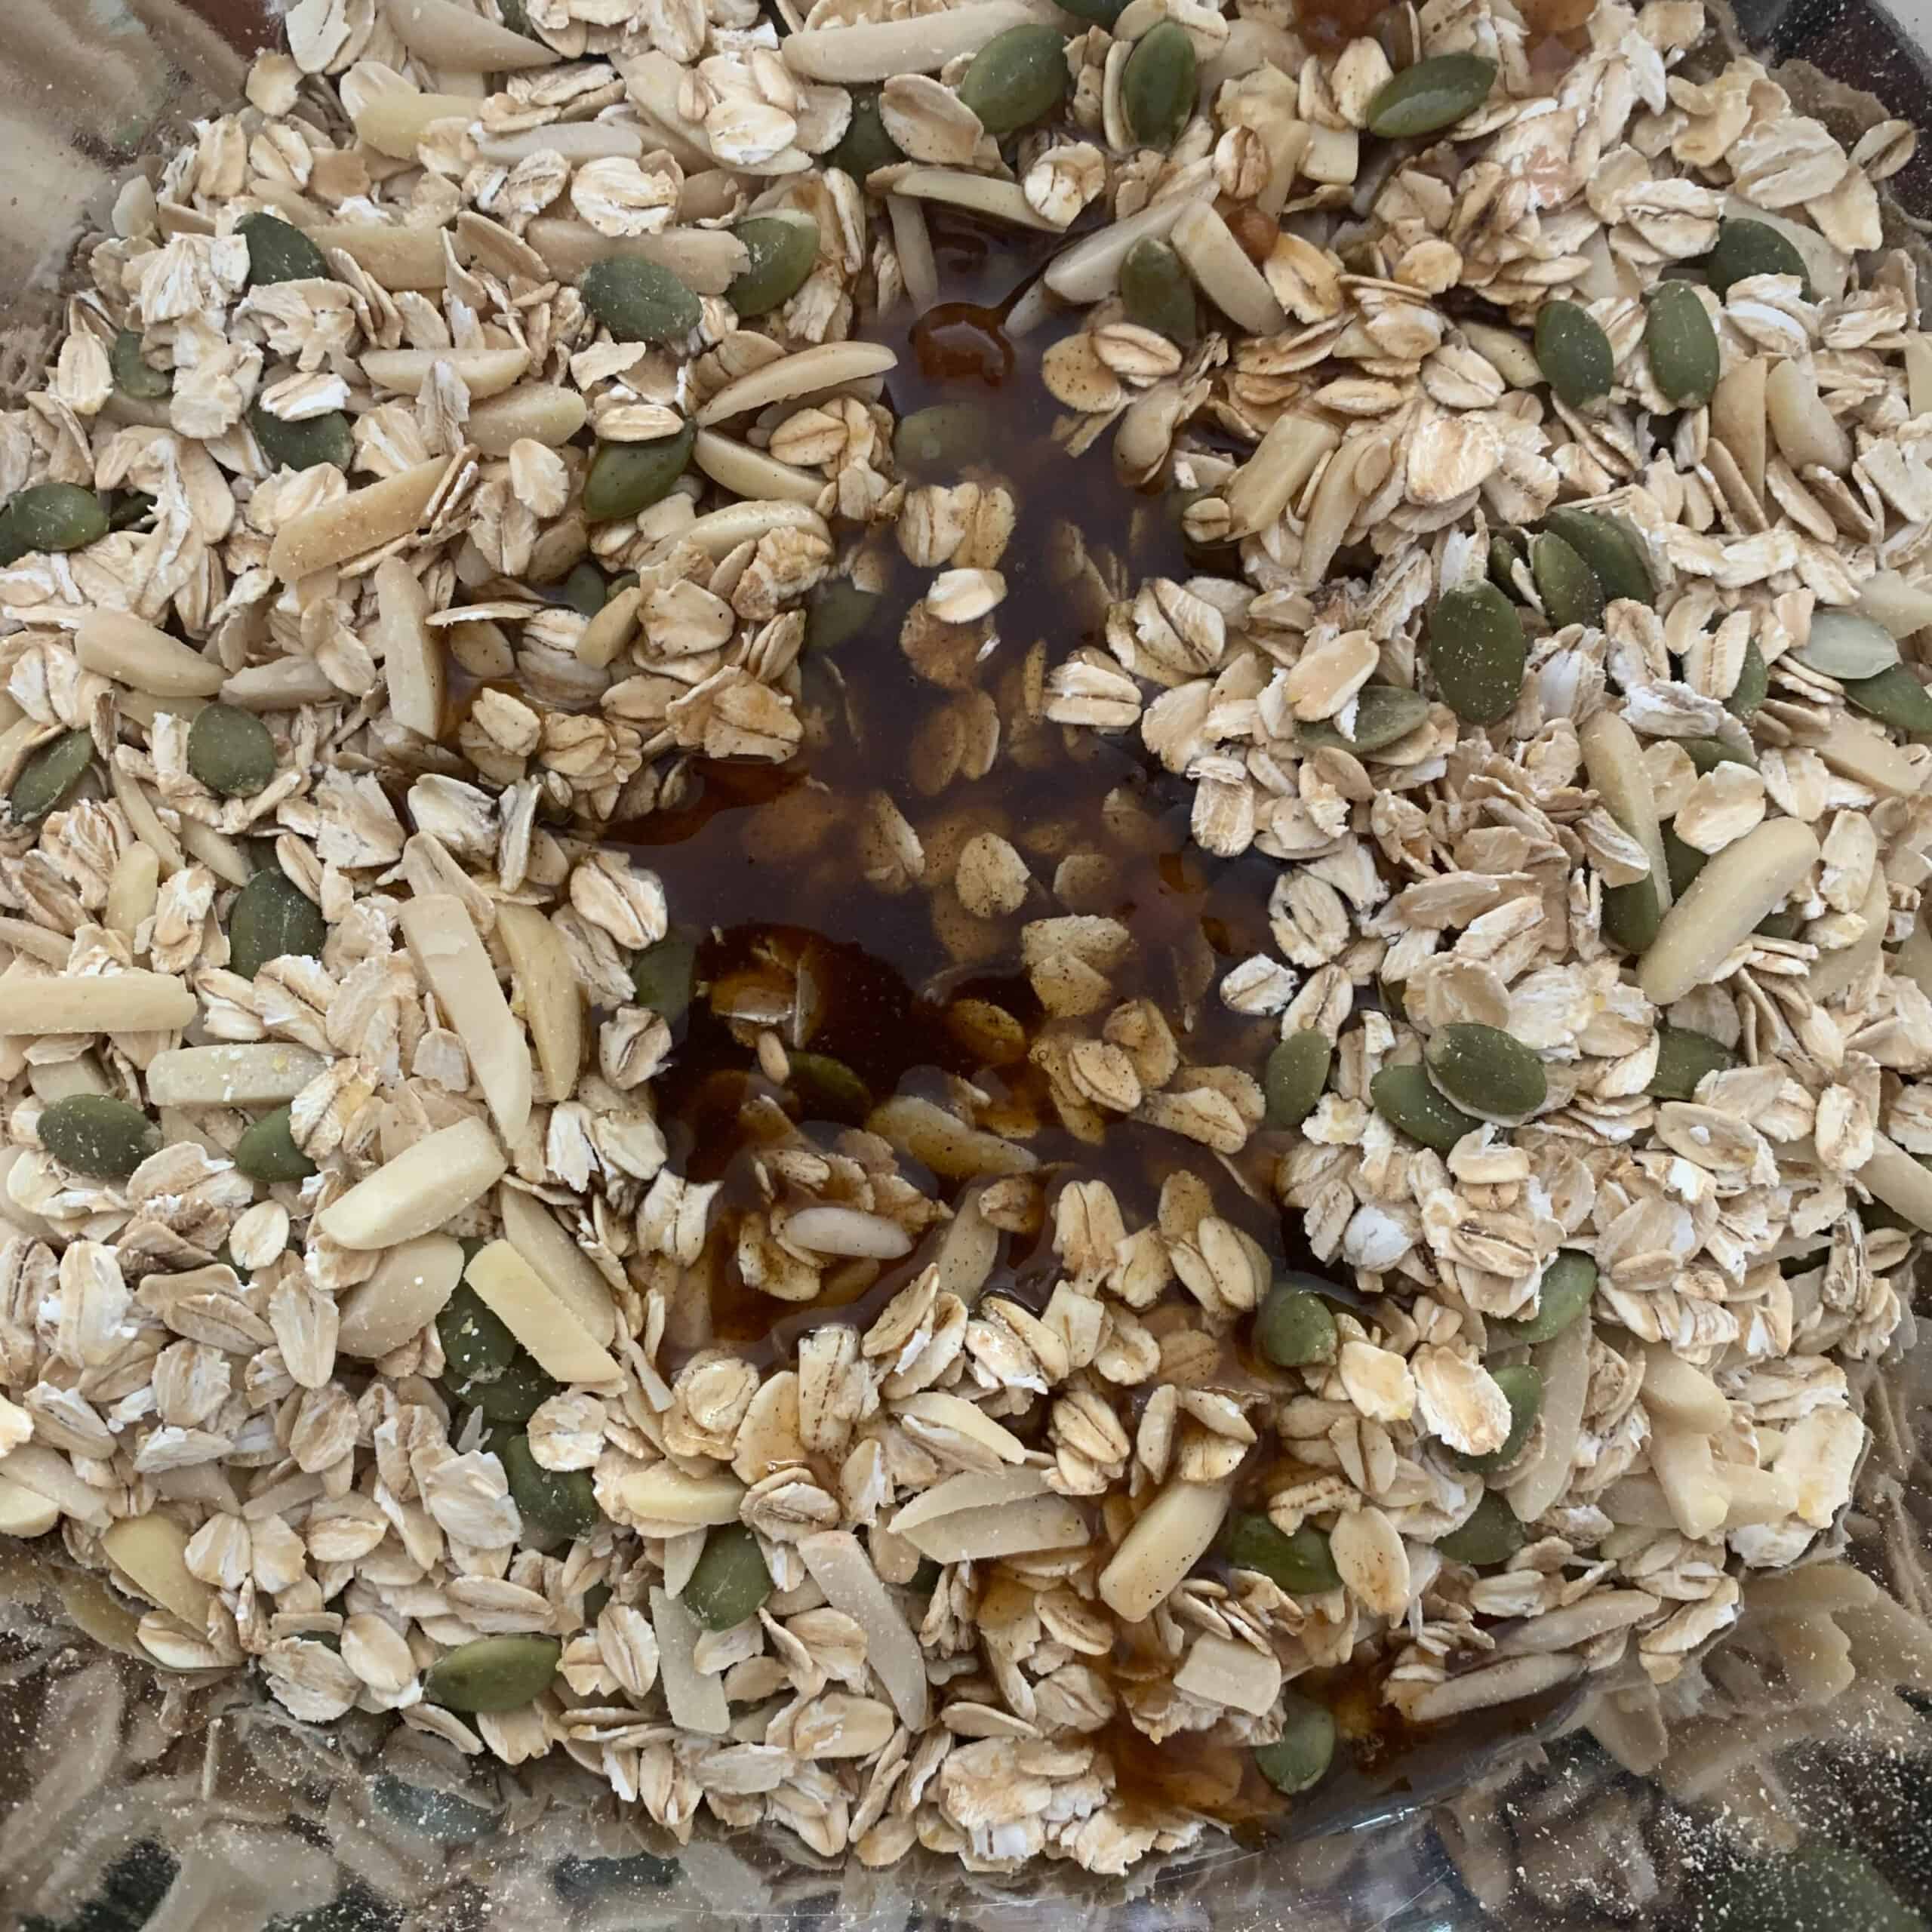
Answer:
(1491, 1535)
(49, 775)
(1293, 1326)
(98, 1135)
(1685, 1056)
(942, 437)
(1405, 1096)
(1385, 714)
(561, 1501)
(1477, 651)
(1573, 353)
(1682, 345)
(273, 915)
(1567, 1283)
(52, 516)
(584, 589)
(135, 377)
(925, 1579)
(1019, 77)
(595, 1598)
(305, 445)
(1610, 548)
(1486, 1072)
(279, 253)
(865, 145)
(436, 1815)
(477, 1344)
(829, 1090)
(1844, 645)
(1157, 292)
(128, 509)
(1296, 1072)
(1707, 754)
(1632, 913)
(839, 612)
(626, 478)
(493, 1673)
(1299, 1564)
(1567, 585)
(1300, 1760)
(267, 1151)
(1102, 13)
(1754, 680)
(1746, 247)
(666, 975)
(579, 1880)
(1781, 924)
(1522, 1387)
(516, 15)
(731, 1580)
(639, 301)
(1684, 862)
(1433, 94)
(1894, 697)
(783, 250)
(1158, 85)
(1507, 555)
(515, 1395)
(230, 750)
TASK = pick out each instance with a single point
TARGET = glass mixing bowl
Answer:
(1785, 1779)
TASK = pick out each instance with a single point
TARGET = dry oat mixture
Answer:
(450, 1272)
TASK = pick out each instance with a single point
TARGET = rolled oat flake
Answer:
(493, 1673)
(1522, 1388)
(97, 1135)
(1486, 1072)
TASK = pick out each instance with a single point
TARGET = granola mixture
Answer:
(694, 1079)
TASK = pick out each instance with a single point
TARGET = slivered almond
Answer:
(1858, 751)
(1724, 904)
(1016, 1529)
(663, 1494)
(718, 533)
(921, 43)
(217, 851)
(279, 685)
(565, 1269)
(830, 1229)
(1564, 1362)
(255, 1075)
(975, 193)
(120, 646)
(1832, 972)
(1682, 1394)
(1756, 1496)
(748, 472)
(483, 372)
(1895, 1178)
(425, 1185)
(392, 255)
(1614, 760)
(411, 1286)
(393, 121)
(552, 1006)
(803, 373)
(96, 1003)
(1220, 1671)
(48, 1473)
(1502, 1683)
(443, 942)
(996, 1489)
(1207, 245)
(412, 657)
(696, 1701)
(936, 1413)
(134, 888)
(442, 34)
(541, 1321)
(1088, 271)
(364, 520)
(1168, 1538)
(606, 634)
(706, 260)
(536, 412)
(1273, 476)
(148, 1551)
(575, 140)
(842, 1569)
(23, 1513)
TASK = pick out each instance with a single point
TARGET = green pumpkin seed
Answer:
(1296, 1072)
(1845, 646)
(625, 479)
(1299, 1564)
(666, 975)
(942, 437)
(1102, 13)
(1477, 651)
(1293, 1326)
(1681, 343)
(477, 1343)
(271, 916)
(730, 1579)
(1632, 913)
(579, 1880)
(1684, 863)
(1405, 1096)
(49, 775)
(1782, 924)
(134, 376)
(1157, 87)
(1685, 1056)
(128, 509)
(865, 145)
(1573, 353)
(1016, 78)
(230, 750)
(277, 252)
(515, 1395)
(595, 1598)
(436, 1815)
(1894, 697)
(50, 516)
(585, 591)
(1486, 1072)
(1492, 1535)
(1522, 1387)
(1385, 714)
(1433, 94)
(829, 1090)
(784, 250)
(1753, 681)
(1157, 292)
(839, 611)
(1299, 1759)
(1507, 555)
(1746, 248)
(1707, 754)
(1610, 548)
(1567, 1283)
(304, 445)
(515, 14)
(267, 1151)
(639, 301)
(561, 1501)
(98, 1135)
(493, 1673)
(1567, 585)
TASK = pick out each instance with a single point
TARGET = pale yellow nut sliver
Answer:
(393, 121)
(695, 1698)
(974, 1490)
(122, 647)
(364, 520)
(1856, 751)
(536, 412)
(1220, 1671)
(393, 256)
(483, 372)
(148, 1551)
(842, 1569)
(799, 374)
(443, 34)
(560, 1264)
(1895, 1178)
(552, 1006)
(22, 1513)
(1168, 1538)
(1724, 903)
(663, 1494)
(412, 656)
(96, 1003)
(444, 942)
(248, 1075)
(512, 1291)
(1615, 762)
(411, 1286)
(418, 1191)
(1015, 1529)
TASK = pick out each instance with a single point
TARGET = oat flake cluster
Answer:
(1556, 637)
